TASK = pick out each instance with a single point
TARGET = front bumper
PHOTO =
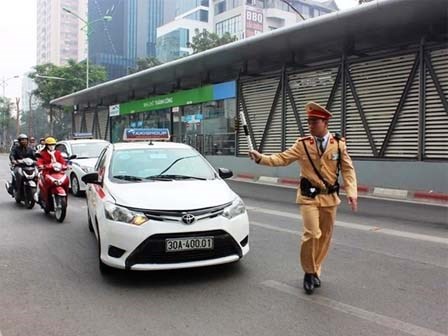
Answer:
(144, 246)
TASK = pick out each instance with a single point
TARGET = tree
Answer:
(39, 123)
(145, 63)
(7, 126)
(205, 40)
(73, 75)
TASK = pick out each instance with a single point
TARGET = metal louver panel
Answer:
(379, 85)
(404, 140)
(305, 87)
(436, 145)
(335, 108)
(273, 143)
(258, 96)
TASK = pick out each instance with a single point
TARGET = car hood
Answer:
(172, 195)
(90, 163)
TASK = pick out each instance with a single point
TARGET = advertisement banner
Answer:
(254, 21)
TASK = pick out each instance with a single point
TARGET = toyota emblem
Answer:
(188, 218)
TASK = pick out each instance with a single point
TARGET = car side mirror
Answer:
(71, 157)
(225, 173)
(91, 178)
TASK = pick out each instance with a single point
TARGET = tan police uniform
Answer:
(318, 213)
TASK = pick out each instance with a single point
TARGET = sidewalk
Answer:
(420, 196)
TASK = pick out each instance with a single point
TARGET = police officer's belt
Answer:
(308, 190)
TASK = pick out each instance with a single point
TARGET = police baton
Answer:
(246, 131)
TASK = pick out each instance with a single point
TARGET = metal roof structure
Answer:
(359, 31)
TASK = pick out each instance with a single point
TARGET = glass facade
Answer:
(169, 45)
(183, 6)
(232, 25)
(226, 5)
(199, 15)
(209, 127)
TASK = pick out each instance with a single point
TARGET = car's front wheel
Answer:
(74, 182)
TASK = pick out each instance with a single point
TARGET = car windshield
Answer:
(167, 164)
(88, 150)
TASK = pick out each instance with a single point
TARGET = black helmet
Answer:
(22, 137)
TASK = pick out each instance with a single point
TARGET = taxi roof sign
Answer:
(84, 135)
(146, 134)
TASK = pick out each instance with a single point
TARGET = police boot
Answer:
(316, 280)
(308, 283)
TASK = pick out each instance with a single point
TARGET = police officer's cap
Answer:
(314, 110)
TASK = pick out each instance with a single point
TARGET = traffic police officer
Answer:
(321, 157)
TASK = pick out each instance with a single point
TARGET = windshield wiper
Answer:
(158, 178)
(83, 157)
(181, 177)
(127, 177)
(174, 162)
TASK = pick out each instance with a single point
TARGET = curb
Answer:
(380, 192)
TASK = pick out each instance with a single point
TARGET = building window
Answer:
(227, 5)
(232, 26)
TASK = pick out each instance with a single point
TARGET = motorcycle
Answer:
(53, 190)
(28, 172)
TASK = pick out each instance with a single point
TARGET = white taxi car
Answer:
(87, 152)
(161, 205)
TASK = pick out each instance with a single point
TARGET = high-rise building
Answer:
(59, 35)
(173, 38)
(131, 33)
(150, 15)
(28, 86)
(240, 18)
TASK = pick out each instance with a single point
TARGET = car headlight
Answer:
(85, 169)
(235, 209)
(121, 214)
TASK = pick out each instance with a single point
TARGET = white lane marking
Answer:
(369, 228)
(275, 228)
(382, 320)
(298, 233)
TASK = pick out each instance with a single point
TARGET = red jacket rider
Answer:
(49, 155)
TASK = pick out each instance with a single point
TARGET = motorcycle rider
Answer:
(49, 154)
(41, 145)
(19, 152)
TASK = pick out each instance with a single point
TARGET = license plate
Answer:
(188, 244)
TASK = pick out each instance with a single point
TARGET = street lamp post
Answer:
(86, 28)
(4, 82)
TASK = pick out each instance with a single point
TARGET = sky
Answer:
(18, 38)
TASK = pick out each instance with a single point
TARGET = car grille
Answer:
(176, 215)
(152, 250)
